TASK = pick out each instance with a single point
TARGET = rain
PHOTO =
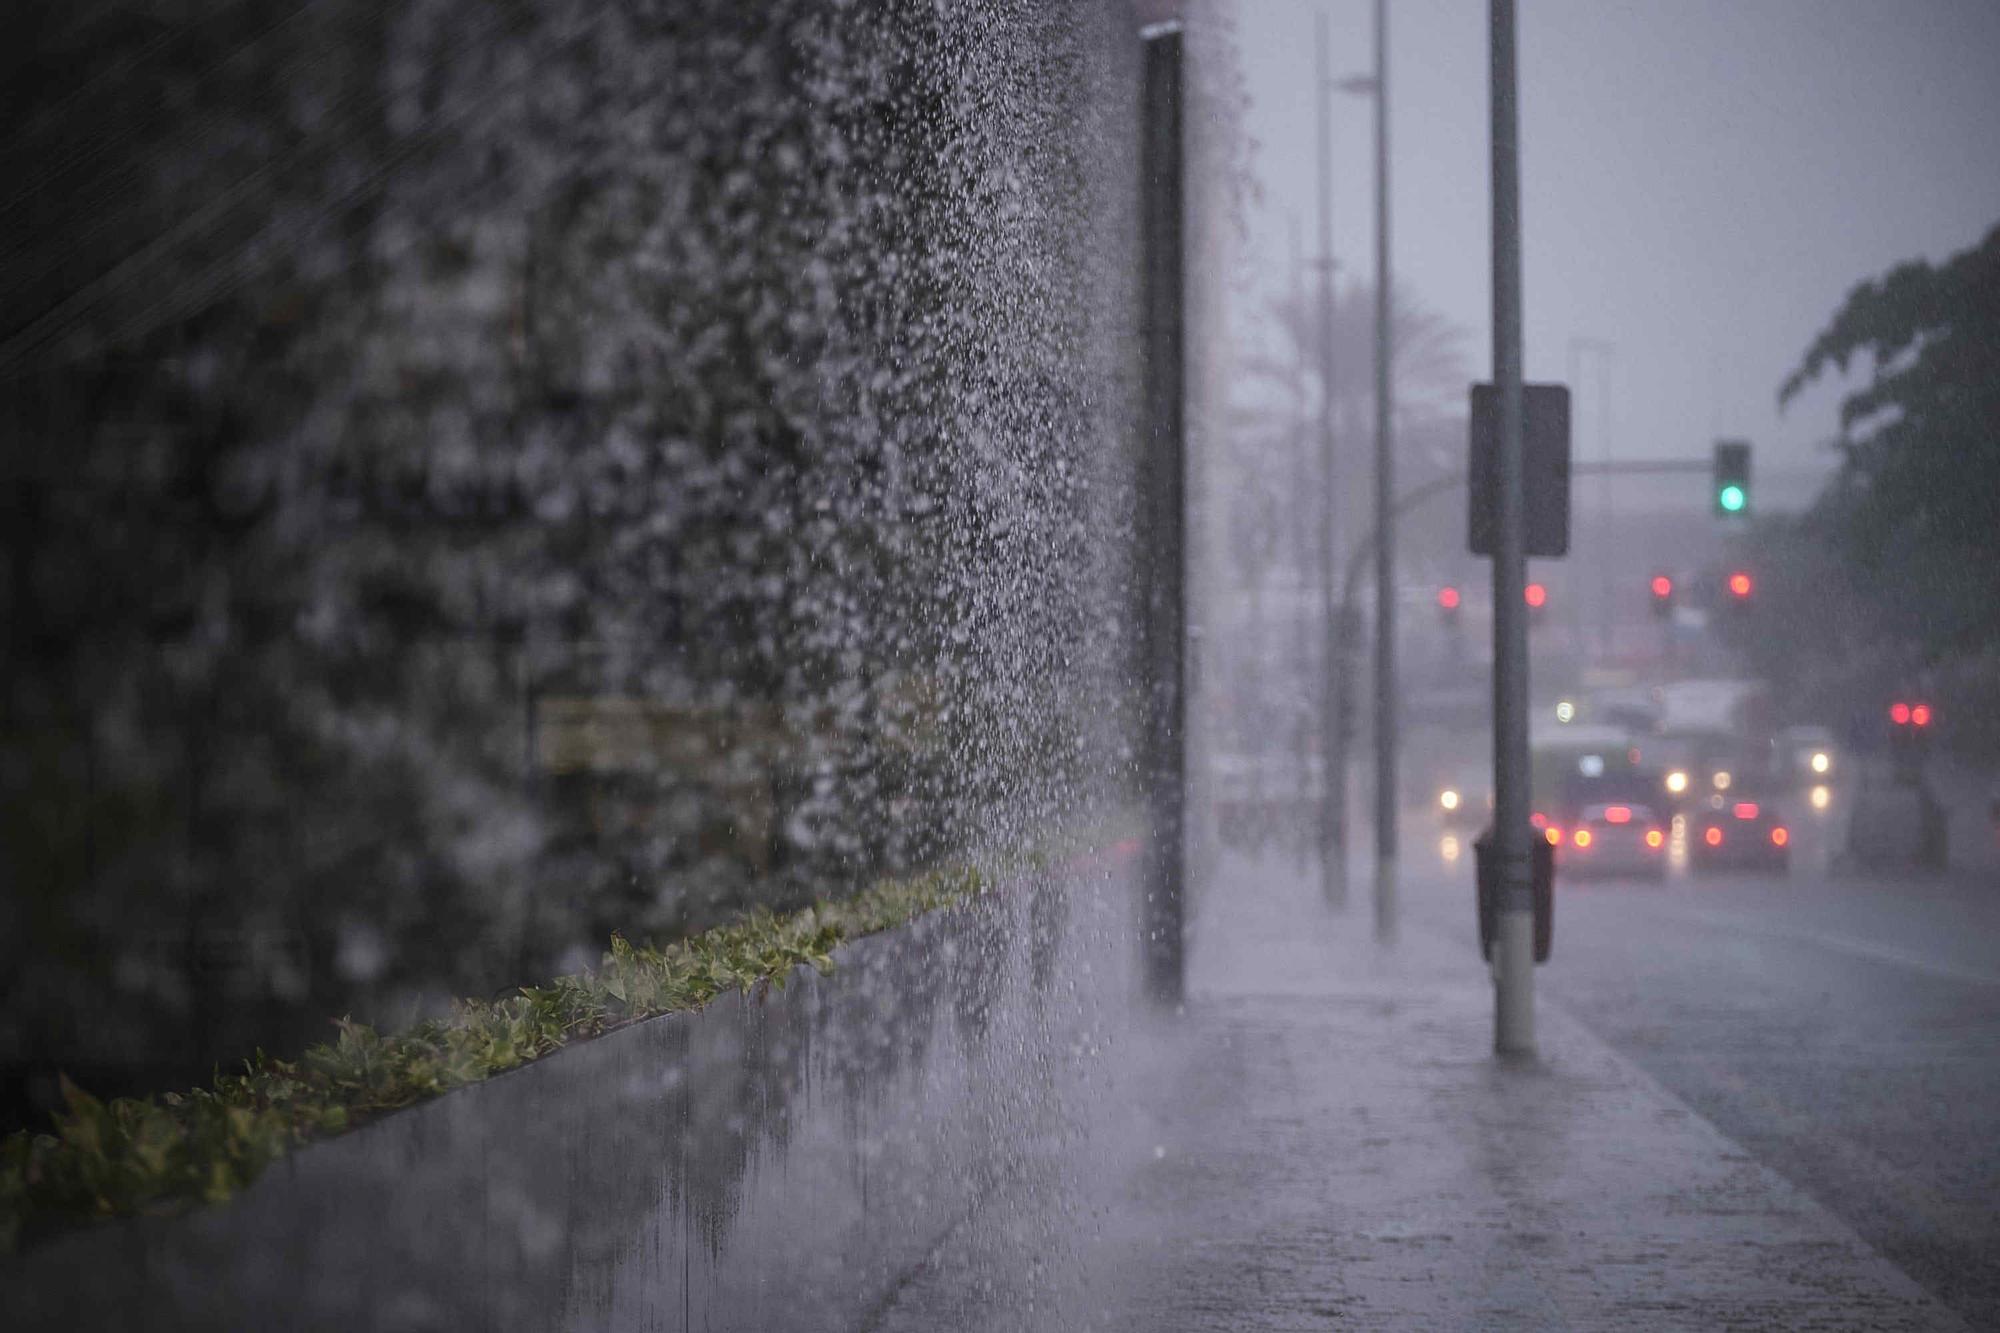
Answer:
(999, 664)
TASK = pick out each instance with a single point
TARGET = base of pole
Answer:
(1385, 901)
(1514, 984)
(1333, 876)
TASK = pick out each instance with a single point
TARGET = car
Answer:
(1895, 825)
(1807, 757)
(1695, 765)
(1611, 838)
(1464, 797)
(1740, 831)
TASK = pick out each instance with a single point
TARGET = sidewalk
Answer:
(1323, 1140)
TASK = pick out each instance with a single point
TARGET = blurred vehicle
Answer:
(1622, 786)
(1463, 796)
(1264, 799)
(1570, 766)
(1738, 831)
(1694, 766)
(1806, 757)
(1611, 839)
(1893, 824)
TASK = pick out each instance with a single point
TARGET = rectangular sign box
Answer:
(1544, 469)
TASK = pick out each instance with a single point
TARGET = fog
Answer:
(706, 665)
(1702, 182)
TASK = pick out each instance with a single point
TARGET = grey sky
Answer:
(1703, 180)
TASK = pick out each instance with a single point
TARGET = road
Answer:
(1843, 1028)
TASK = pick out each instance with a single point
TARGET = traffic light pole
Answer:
(1514, 945)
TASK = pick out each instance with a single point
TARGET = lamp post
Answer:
(1386, 730)
(1513, 950)
(1333, 741)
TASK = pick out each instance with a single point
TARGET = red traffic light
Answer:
(1920, 715)
(1535, 595)
(1663, 587)
(1739, 584)
(1448, 598)
(1899, 713)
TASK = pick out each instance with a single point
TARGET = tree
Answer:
(1430, 350)
(1275, 418)
(1910, 513)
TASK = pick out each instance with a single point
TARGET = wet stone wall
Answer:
(478, 477)
(780, 1160)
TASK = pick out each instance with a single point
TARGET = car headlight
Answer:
(1677, 782)
(1821, 798)
(1448, 799)
(1721, 780)
(1821, 761)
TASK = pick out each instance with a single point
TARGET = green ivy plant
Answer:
(147, 1154)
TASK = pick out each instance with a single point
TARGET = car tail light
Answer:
(1655, 839)
(1554, 835)
(1617, 814)
(1581, 837)
(1779, 836)
(1746, 809)
(1712, 836)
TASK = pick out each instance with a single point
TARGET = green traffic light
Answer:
(1731, 498)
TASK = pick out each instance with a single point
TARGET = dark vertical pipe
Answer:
(1164, 483)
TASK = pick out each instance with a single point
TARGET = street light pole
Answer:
(1333, 744)
(1513, 953)
(1386, 738)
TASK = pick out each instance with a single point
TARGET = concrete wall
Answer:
(778, 1160)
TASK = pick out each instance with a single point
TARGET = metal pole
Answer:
(1333, 741)
(1309, 680)
(1386, 739)
(1573, 376)
(1165, 455)
(1513, 953)
(1602, 596)
(1607, 359)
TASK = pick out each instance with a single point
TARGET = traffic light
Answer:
(1537, 597)
(1448, 602)
(1732, 478)
(1663, 595)
(1740, 585)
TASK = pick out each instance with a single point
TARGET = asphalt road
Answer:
(1843, 1028)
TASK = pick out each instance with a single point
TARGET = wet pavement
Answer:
(1322, 1140)
(1843, 1027)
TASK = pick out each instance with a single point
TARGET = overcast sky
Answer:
(1703, 181)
